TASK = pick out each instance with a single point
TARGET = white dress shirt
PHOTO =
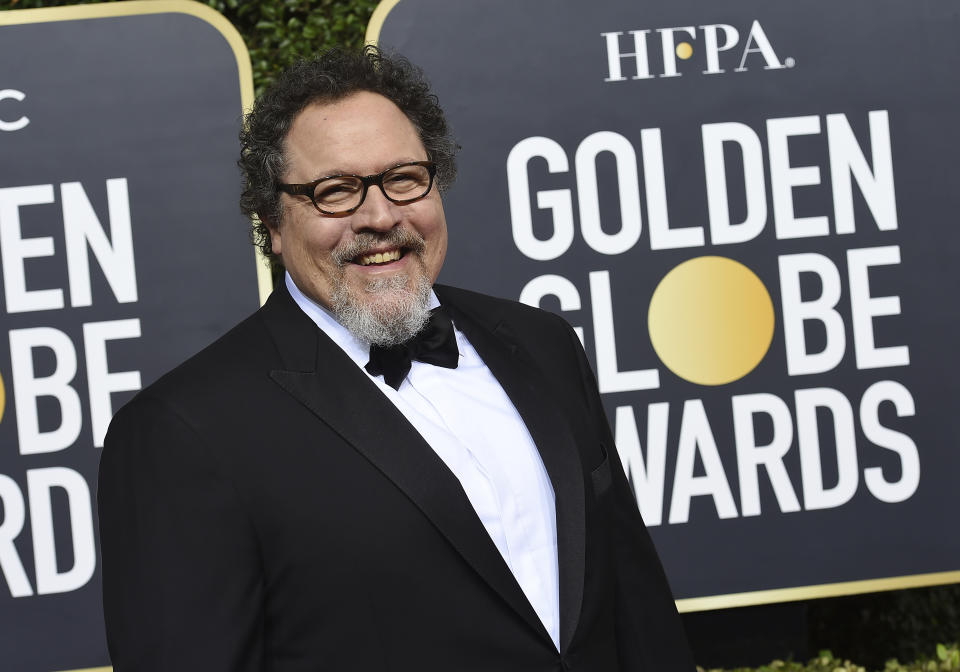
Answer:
(472, 425)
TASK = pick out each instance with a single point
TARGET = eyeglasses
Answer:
(339, 195)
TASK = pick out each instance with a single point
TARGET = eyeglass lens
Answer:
(401, 184)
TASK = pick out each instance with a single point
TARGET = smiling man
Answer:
(373, 472)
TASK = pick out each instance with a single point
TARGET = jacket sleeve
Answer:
(182, 582)
(650, 635)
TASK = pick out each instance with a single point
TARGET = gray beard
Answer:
(389, 314)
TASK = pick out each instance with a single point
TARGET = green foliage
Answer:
(276, 32)
(279, 32)
(874, 627)
(947, 659)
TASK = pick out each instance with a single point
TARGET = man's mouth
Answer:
(379, 249)
(378, 258)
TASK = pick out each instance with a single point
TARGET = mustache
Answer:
(364, 243)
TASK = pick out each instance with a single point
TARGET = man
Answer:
(306, 494)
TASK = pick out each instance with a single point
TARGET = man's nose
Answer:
(376, 212)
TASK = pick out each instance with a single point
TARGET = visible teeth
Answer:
(380, 258)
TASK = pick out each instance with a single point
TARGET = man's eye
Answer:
(399, 178)
(336, 191)
(403, 181)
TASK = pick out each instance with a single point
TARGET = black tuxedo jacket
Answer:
(265, 507)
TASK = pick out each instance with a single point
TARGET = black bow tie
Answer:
(434, 344)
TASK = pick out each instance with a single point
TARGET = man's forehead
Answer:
(355, 110)
(363, 131)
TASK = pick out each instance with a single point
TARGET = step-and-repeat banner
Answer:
(749, 210)
(122, 252)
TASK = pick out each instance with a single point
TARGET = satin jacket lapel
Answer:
(311, 361)
(514, 369)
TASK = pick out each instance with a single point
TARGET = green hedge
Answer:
(279, 32)
(873, 627)
(947, 659)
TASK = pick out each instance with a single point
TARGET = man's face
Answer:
(329, 257)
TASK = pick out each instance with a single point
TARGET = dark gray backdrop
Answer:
(155, 99)
(507, 70)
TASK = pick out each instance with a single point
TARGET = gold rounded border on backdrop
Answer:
(3, 398)
(731, 600)
(199, 10)
(711, 320)
(377, 19)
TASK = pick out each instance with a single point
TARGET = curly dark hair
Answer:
(331, 76)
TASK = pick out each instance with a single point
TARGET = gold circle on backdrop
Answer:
(684, 50)
(711, 320)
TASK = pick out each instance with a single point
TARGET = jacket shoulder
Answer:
(493, 308)
(243, 346)
(235, 361)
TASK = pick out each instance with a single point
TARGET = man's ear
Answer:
(275, 237)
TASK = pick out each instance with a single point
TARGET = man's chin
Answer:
(385, 311)
(388, 306)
